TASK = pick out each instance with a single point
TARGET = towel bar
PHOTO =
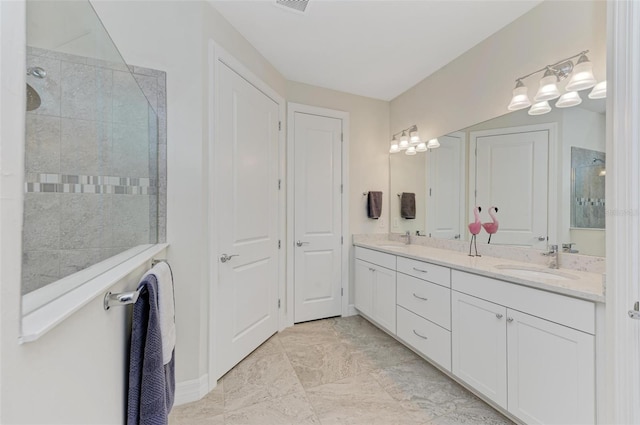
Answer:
(119, 299)
(126, 298)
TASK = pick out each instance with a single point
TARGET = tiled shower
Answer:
(95, 163)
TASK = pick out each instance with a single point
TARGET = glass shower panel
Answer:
(91, 152)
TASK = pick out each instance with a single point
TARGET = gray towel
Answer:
(151, 383)
(374, 204)
(408, 205)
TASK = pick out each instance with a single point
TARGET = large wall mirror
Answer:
(544, 173)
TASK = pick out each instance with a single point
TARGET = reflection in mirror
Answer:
(507, 146)
(587, 188)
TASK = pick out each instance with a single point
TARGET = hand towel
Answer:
(408, 205)
(166, 307)
(151, 383)
(374, 204)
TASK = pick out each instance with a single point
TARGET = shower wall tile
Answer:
(130, 150)
(86, 92)
(39, 268)
(149, 86)
(130, 106)
(131, 213)
(74, 260)
(49, 88)
(42, 144)
(85, 147)
(41, 227)
(85, 221)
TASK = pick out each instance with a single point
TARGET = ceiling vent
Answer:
(298, 6)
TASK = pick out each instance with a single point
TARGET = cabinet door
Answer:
(363, 297)
(551, 371)
(384, 298)
(479, 345)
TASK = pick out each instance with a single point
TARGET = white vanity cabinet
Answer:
(375, 287)
(424, 309)
(530, 351)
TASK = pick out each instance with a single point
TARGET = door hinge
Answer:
(342, 292)
(342, 137)
(279, 243)
(341, 240)
(429, 191)
(279, 184)
(341, 188)
(279, 125)
(278, 302)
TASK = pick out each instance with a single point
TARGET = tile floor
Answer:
(335, 371)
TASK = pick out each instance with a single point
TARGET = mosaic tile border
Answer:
(65, 183)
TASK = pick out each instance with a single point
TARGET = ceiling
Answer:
(373, 48)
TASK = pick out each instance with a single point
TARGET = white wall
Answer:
(477, 86)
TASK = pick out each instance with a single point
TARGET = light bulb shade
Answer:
(422, 146)
(540, 108)
(415, 137)
(411, 150)
(599, 91)
(433, 143)
(394, 148)
(569, 99)
(520, 98)
(404, 137)
(582, 77)
(548, 88)
(404, 144)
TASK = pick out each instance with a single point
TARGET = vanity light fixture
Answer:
(581, 78)
(599, 91)
(409, 141)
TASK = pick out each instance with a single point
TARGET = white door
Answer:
(445, 188)
(551, 371)
(511, 174)
(317, 215)
(247, 205)
(479, 345)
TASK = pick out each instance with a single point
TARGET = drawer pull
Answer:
(420, 298)
(509, 319)
(421, 336)
(420, 270)
(499, 316)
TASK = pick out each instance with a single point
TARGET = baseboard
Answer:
(193, 390)
(351, 311)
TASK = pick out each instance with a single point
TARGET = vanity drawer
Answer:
(426, 337)
(426, 271)
(376, 257)
(425, 299)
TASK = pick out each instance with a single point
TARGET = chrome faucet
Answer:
(568, 248)
(553, 256)
(408, 236)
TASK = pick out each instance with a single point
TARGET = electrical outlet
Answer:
(381, 222)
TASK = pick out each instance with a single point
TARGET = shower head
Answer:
(36, 71)
(33, 99)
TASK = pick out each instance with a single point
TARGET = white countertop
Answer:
(578, 284)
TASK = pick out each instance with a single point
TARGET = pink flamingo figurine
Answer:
(491, 228)
(475, 228)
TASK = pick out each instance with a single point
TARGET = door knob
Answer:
(542, 238)
(224, 257)
(300, 243)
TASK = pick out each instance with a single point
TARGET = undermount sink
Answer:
(532, 272)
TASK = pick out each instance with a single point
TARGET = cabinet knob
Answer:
(509, 319)
(499, 316)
